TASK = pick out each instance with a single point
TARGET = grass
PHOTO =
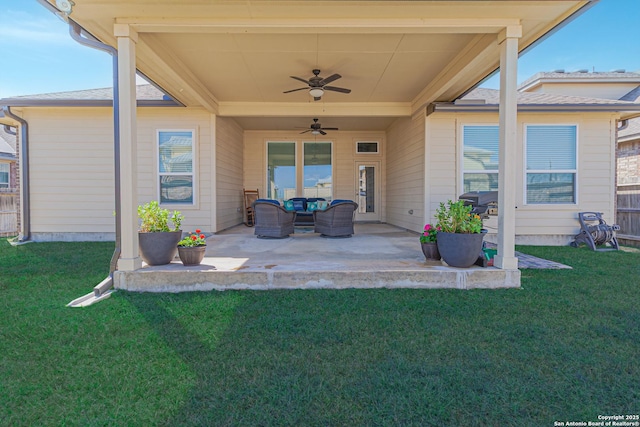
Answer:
(565, 347)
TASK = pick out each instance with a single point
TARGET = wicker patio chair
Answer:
(272, 220)
(336, 220)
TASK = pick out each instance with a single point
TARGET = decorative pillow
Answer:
(312, 206)
(274, 202)
(288, 205)
(322, 205)
(298, 205)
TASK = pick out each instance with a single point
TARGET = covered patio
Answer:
(235, 78)
(377, 256)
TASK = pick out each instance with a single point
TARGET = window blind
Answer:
(551, 148)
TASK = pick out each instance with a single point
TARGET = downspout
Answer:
(24, 174)
(76, 33)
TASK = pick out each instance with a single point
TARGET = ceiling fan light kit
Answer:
(316, 92)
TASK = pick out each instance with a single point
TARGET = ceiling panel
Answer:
(245, 51)
(358, 42)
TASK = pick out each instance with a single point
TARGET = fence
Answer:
(628, 214)
(8, 212)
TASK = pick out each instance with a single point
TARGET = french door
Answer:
(368, 191)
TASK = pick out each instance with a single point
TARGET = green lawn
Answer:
(565, 347)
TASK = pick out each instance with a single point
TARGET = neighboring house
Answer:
(8, 158)
(8, 182)
(629, 154)
(232, 118)
(629, 182)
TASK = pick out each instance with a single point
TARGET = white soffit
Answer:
(225, 55)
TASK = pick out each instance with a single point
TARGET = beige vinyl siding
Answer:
(344, 158)
(595, 180)
(535, 224)
(71, 173)
(440, 161)
(405, 173)
(150, 120)
(72, 169)
(229, 159)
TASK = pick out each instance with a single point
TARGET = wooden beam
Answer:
(319, 26)
(318, 109)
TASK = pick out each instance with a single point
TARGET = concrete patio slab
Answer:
(377, 256)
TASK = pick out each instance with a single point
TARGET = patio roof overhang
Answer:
(235, 58)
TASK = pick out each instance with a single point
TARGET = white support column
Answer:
(127, 39)
(214, 173)
(508, 39)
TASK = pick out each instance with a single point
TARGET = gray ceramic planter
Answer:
(460, 249)
(191, 255)
(159, 248)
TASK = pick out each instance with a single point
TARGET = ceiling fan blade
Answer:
(337, 89)
(305, 131)
(300, 79)
(316, 98)
(322, 132)
(329, 128)
(295, 90)
(330, 79)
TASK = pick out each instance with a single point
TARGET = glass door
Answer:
(281, 170)
(368, 187)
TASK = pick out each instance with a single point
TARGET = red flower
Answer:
(194, 237)
(198, 230)
(201, 236)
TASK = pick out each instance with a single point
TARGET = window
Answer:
(317, 170)
(281, 170)
(367, 147)
(284, 178)
(4, 175)
(176, 152)
(480, 163)
(551, 152)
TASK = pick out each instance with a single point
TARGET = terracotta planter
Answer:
(460, 249)
(159, 248)
(191, 255)
(430, 251)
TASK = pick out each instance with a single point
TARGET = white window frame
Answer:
(6, 184)
(330, 142)
(368, 153)
(266, 162)
(461, 159)
(526, 171)
(194, 168)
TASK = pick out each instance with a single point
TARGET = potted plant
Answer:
(459, 234)
(428, 241)
(191, 248)
(157, 241)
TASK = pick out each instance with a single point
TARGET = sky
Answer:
(39, 56)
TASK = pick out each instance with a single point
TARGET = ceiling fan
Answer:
(317, 129)
(317, 85)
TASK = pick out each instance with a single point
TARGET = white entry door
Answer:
(368, 191)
